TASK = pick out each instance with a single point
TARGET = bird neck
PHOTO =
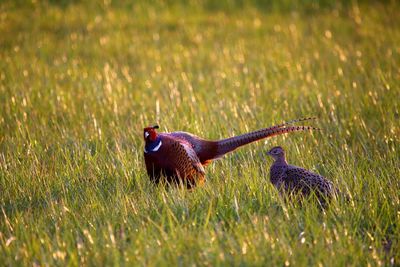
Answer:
(280, 161)
(153, 146)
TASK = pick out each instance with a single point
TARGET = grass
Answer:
(79, 81)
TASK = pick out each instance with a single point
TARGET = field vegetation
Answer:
(80, 79)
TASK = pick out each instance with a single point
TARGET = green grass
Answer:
(79, 81)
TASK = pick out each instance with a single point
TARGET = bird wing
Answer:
(305, 180)
(192, 157)
(206, 150)
(184, 160)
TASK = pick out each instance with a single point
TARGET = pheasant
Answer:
(180, 157)
(292, 179)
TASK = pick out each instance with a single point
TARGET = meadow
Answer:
(79, 80)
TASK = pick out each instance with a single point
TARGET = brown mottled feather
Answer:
(177, 161)
(293, 179)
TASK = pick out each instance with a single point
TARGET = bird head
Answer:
(150, 133)
(276, 152)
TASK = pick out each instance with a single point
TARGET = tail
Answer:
(230, 144)
(286, 123)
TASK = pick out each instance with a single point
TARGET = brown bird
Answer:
(180, 157)
(292, 179)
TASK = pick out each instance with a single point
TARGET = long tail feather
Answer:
(286, 123)
(230, 144)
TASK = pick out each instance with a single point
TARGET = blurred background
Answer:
(80, 79)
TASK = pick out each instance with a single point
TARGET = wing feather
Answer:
(301, 179)
(193, 159)
(186, 163)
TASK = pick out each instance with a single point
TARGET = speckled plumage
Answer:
(180, 156)
(292, 179)
(177, 161)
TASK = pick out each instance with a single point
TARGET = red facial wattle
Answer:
(153, 135)
(150, 134)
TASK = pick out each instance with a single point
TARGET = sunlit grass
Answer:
(78, 82)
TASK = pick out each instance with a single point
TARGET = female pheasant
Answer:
(293, 179)
(180, 157)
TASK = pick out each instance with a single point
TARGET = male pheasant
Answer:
(180, 157)
(292, 179)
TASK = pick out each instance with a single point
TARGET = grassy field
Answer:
(79, 81)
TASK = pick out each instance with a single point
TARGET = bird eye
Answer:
(146, 134)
